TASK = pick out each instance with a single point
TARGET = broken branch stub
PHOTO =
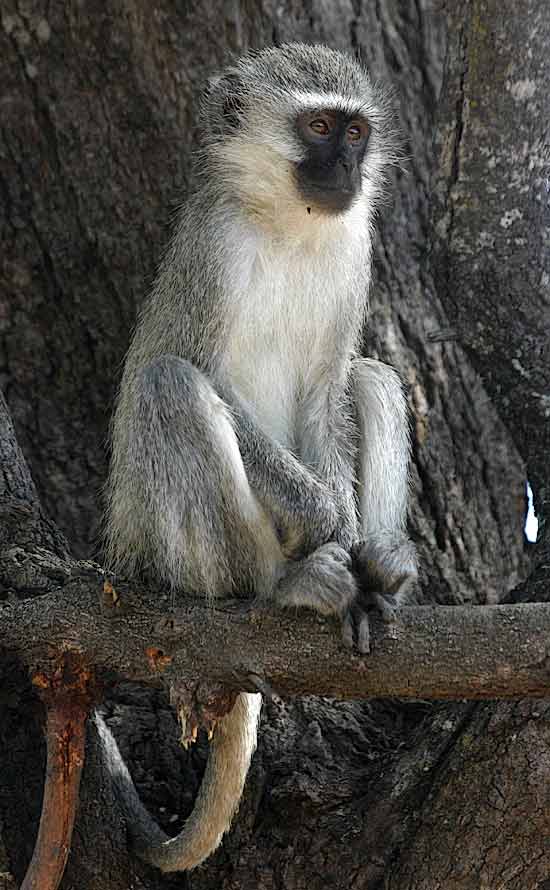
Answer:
(68, 694)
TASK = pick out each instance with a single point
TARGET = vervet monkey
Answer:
(253, 451)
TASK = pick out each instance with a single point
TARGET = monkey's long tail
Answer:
(218, 799)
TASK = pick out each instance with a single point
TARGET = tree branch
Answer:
(68, 702)
(431, 652)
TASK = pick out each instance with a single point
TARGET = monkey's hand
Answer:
(303, 529)
(331, 517)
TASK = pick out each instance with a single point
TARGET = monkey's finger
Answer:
(356, 629)
(363, 633)
(347, 629)
(387, 608)
(403, 587)
(337, 553)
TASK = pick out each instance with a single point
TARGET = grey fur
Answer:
(244, 416)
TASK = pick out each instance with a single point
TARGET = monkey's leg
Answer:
(385, 558)
(180, 498)
(296, 496)
(192, 510)
(181, 506)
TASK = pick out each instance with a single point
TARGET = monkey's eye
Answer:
(356, 132)
(320, 126)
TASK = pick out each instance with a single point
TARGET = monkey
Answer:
(254, 451)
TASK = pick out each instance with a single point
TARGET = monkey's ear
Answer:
(224, 103)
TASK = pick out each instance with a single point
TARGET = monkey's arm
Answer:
(300, 501)
(312, 499)
(327, 444)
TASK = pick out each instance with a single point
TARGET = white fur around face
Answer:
(347, 104)
(262, 177)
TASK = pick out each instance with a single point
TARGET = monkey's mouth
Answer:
(331, 188)
(329, 199)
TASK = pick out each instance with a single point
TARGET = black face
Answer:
(330, 176)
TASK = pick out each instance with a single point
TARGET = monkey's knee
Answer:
(212, 533)
(171, 389)
(380, 387)
(184, 426)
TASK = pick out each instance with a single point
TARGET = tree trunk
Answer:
(98, 113)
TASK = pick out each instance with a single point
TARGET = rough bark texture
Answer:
(492, 211)
(97, 120)
(23, 524)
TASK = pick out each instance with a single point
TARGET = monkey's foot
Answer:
(385, 574)
(200, 707)
(357, 624)
(388, 600)
(356, 627)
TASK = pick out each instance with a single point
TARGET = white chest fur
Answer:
(291, 310)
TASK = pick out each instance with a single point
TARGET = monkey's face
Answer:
(334, 143)
(301, 137)
(292, 168)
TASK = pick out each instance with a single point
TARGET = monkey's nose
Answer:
(344, 163)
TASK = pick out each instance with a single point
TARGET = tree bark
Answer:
(97, 123)
(427, 653)
(492, 212)
(23, 522)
